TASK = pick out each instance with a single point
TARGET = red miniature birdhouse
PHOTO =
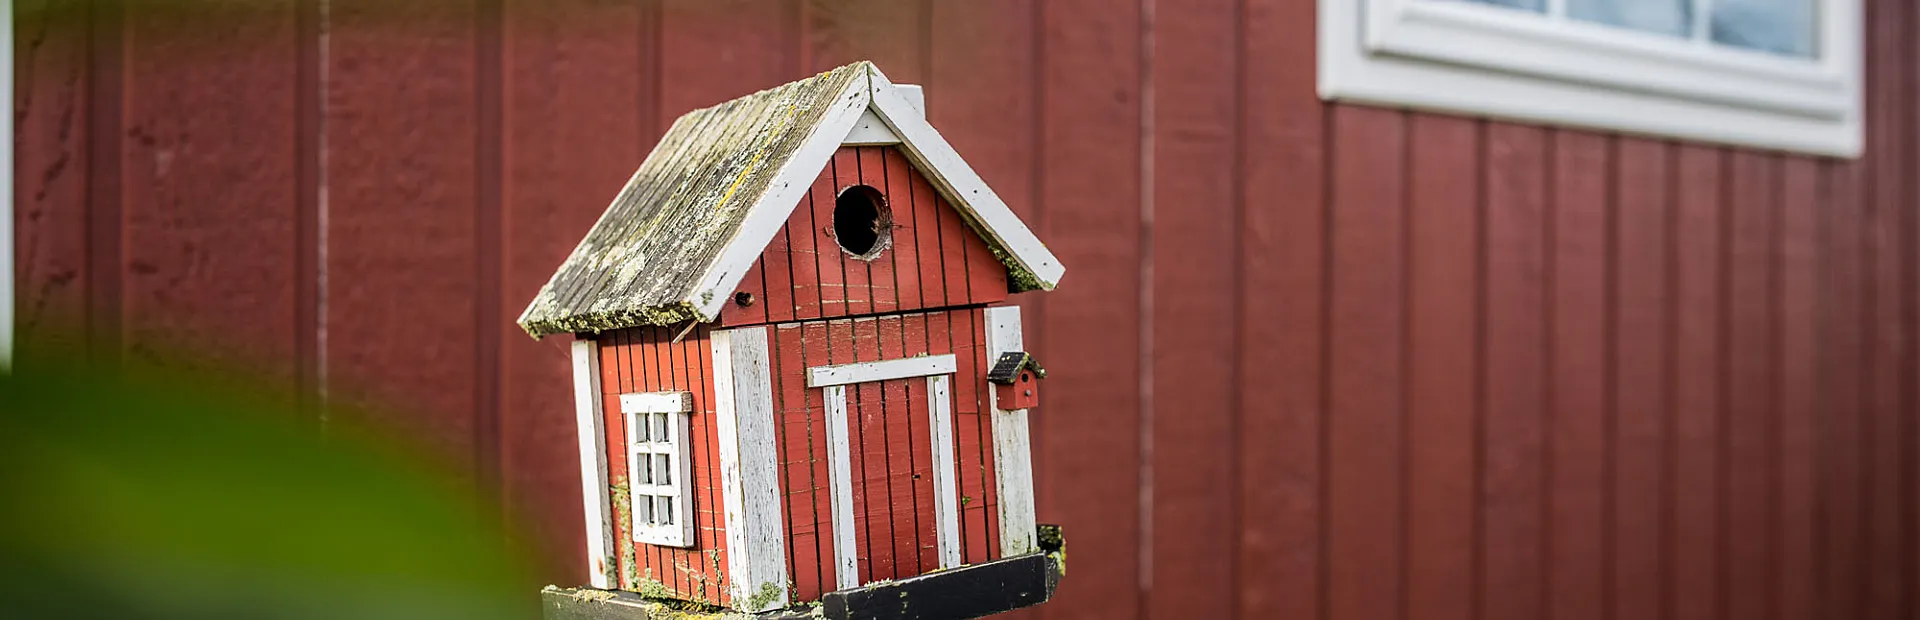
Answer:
(1015, 376)
(790, 327)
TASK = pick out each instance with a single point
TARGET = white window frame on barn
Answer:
(661, 511)
(1549, 67)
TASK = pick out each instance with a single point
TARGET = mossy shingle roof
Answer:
(722, 182)
(648, 251)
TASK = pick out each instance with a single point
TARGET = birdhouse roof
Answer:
(723, 181)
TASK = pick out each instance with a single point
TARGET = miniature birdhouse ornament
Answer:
(797, 376)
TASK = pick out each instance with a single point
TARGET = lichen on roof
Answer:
(642, 260)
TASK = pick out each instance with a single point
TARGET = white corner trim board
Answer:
(749, 469)
(1481, 60)
(1012, 445)
(6, 193)
(863, 372)
(597, 499)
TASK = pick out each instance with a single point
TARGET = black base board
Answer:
(955, 594)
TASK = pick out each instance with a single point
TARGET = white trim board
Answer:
(896, 107)
(6, 191)
(1491, 61)
(749, 470)
(864, 372)
(596, 498)
(946, 510)
(657, 402)
(846, 566)
(1012, 445)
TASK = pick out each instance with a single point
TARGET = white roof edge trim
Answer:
(923, 145)
(783, 194)
(950, 173)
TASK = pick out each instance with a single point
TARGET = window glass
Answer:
(1778, 26)
(1668, 17)
(1537, 6)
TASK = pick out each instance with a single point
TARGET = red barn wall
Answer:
(936, 260)
(1309, 360)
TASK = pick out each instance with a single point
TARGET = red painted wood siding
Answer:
(892, 459)
(1309, 361)
(648, 360)
(935, 260)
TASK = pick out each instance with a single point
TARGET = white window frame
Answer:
(672, 527)
(1505, 63)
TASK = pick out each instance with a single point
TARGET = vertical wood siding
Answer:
(648, 360)
(1309, 361)
(891, 452)
(934, 259)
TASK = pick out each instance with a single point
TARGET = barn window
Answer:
(659, 488)
(861, 223)
(1778, 74)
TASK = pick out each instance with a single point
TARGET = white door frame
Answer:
(938, 369)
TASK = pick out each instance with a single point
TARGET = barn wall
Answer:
(1308, 360)
(934, 259)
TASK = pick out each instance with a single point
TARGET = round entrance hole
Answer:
(861, 223)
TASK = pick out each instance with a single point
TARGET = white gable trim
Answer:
(766, 217)
(876, 97)
(871, 131)
(951, 174)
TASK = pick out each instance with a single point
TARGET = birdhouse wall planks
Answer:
(784, 329)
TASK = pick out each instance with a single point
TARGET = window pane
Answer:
(660, 429)
(664, 511)
(1537, 6)
(1670, 17)
(662, 471)
(640, 427)
(1778, 26)
(643, 509)
(643, 468)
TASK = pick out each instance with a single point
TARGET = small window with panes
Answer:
(657, 480)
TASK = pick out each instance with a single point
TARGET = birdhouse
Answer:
(791, 339)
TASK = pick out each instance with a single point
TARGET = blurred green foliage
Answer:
(143, 494)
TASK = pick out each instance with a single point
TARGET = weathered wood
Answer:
(687, 226)
(602, 565)
(884, 370)
(946, 515)
(749, 478)
(599, 604)
(1012, 446)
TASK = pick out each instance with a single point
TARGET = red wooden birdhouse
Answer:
(790, 334)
